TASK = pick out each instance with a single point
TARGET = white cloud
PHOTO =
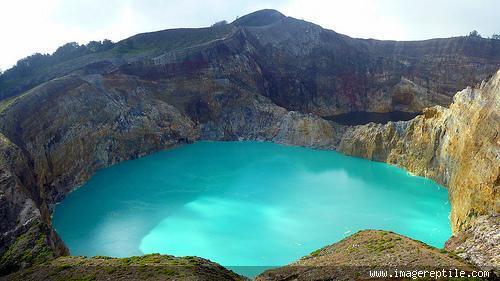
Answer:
(41, 26)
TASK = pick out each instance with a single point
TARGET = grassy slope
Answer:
(142, 45)
(147, 267)
(353, 257)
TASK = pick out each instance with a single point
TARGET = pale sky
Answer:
(29, 26)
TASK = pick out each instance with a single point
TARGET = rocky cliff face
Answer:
(298, 65)
(458, 147)
(265, 77)
(309, 69)
(479, 243)
(83, 123)
(26, 236)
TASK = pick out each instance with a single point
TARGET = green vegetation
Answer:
(168, 40)
(4, 104)
(315, 253)
(38, 68)
(168, 271)
(380, 245)
(151, 266)
(30, 248)
(102, 257)
(474, 33)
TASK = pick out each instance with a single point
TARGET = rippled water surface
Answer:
(246, 203)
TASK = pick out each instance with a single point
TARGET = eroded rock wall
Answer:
(78, 124)
(479, 243)
(458, 147)
(26, 236)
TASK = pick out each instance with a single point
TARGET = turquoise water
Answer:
(246, 203)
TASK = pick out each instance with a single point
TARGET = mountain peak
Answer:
(259, 18)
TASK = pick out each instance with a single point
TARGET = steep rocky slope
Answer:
(297, 64)
(457, 146)
(83, 123)
(264, 77)
(371, 250)
(479, 243)
(27, 237)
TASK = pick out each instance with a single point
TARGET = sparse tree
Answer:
(474, 33)
(495, 36)
(69, 50)
(93, 46)
(107, 44)
(98, 46)
(219, 23)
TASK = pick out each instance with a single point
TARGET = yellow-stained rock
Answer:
(458, 147)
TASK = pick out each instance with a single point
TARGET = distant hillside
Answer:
(100, 56)
(299, 65)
